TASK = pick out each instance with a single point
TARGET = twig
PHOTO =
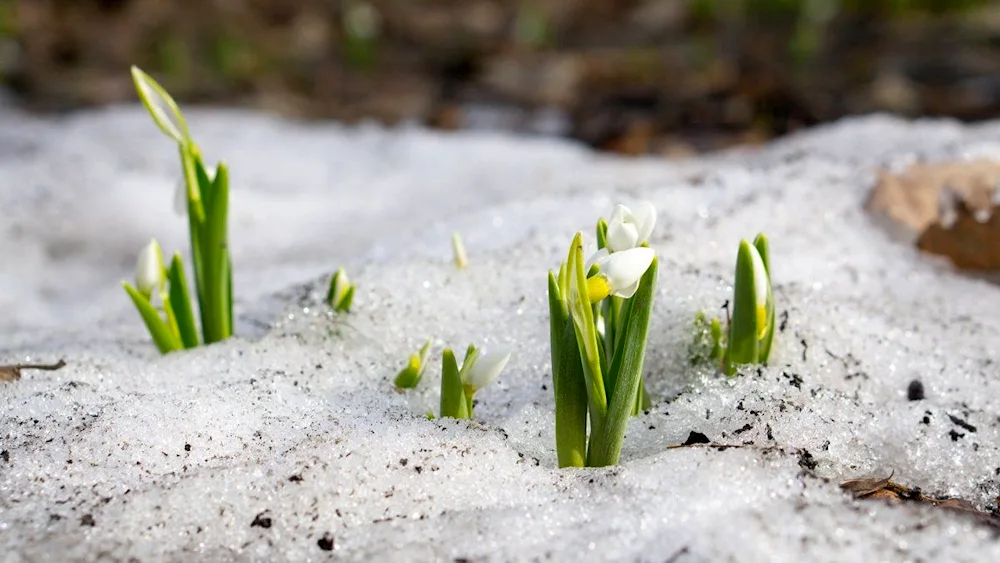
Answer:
(13, 372)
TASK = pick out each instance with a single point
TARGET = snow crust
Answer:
(295, 424)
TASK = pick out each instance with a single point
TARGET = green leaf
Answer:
(570, 387)
(627, 365)
(586, 333)
(410, 376)
(161, 106)
(602, 234)
(742, 345)
(558, 314)
(761, 244)
(164, 338)
(180, 303)
(216, 306)
(345, 303)
(453, 402)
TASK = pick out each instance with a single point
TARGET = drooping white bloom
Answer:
(761, 287)
(619, 273)
(160, 106)
(149, 276)
(628, 229)
(486, 366)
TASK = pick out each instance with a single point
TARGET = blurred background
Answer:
(669, 77)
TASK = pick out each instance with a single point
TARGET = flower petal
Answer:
(487, 367)
(624, 269)
(645, 220)
(622, 231)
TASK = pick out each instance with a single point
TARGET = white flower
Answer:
(627, 229)
(619, 273)
(160, 106)
(762, 289)
(149, 274)
(485, 368)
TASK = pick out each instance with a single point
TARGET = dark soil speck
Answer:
(325, 543)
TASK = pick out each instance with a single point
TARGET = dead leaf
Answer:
(970, 243)
(865, 487)
(894, 493)
(911, 198)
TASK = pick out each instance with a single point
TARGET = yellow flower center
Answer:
(598, 288)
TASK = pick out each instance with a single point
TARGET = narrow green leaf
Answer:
(345, 303)
(161, 106)
(583, 323)
(742, 345)
(602, 234)
(180, 303)
(164, 338)
(763, 248)
(558, 314)
(217, 304)
(410, 376)
(606, 448)
(195, 206)
(570, 386)
(453, 402)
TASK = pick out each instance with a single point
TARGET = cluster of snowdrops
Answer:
(599, 307)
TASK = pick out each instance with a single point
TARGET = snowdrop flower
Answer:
(628, 229)
(762, 287)
(485, 368)
(619, 273)
(149, 274)
(160, 106)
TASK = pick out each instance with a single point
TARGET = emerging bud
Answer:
(149, 271)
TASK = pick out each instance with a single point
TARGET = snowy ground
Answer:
(289, 443)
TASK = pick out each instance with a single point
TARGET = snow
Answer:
(295, 423)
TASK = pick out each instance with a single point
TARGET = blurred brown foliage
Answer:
(636, 76)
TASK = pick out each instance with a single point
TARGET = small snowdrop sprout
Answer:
(149, 272)
(751, 326)
(599, 313)
(341, 292)
(628, 229)
(161, 297)
(458, 250)
(460, 384)
(204, 199)
(409, 376)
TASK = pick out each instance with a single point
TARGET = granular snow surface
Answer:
(289, 442)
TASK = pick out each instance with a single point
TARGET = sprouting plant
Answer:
(459, 384)
(207, 206)
(340, 294)
(458, 251)
(751, 326)
(409, 376)
(599, 314)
